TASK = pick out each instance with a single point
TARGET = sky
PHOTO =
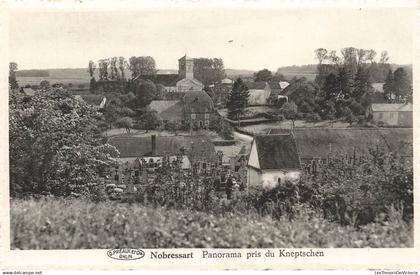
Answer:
(244, 38)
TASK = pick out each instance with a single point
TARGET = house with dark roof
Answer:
(191, 150)
(259, 92)
(273, 160)
(196, 109)
(392, 114)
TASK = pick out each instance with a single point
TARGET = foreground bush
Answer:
(76, 224)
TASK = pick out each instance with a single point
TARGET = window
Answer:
(206, 122)
(206, 116)
(200, 123)
(193, 116)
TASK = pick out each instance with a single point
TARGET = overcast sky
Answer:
(260, 38)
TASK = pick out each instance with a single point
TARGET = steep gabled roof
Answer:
(259, 85)
(196, 147)
(198, 101)
(277, 152)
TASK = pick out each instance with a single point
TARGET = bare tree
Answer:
(384, 57)
(321, 54)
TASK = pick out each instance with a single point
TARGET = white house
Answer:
(392, 114)
(273, 160)
(259, 92)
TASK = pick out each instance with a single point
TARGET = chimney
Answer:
(153, 145)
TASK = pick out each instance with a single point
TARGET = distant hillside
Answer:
(309, 71)
(236, 73)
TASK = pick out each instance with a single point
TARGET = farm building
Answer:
(273, 160)
(392, 114)
(191, 150)
(259, 92)
(320, 143)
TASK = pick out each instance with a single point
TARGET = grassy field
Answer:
(76, 224)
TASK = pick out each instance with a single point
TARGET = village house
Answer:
(273, 160)
(141, 152)
(392, 114)
(277, 88)
(196, 109)
(259, 92)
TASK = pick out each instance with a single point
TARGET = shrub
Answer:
(79, 224)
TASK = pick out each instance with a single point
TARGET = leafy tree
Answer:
(290, 111)
(122, 65)
(91, 68)
(145, 91)
(103, 69)
(331, 88)
(263, 75)
(114, 69)
(92, 84)
(111, 114)
(125, 122)
(223, 128)
(44, 84)
(349, 116)
(142, 65)
(402, 83)
(389, 85)
(173, 126)
(55, 144)
(209, 70)
(150, 121)
(13, 84)
(344, 82)
(238, 99)
(361, 84)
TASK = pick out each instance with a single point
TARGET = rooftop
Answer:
(277, 151)
(392, 107)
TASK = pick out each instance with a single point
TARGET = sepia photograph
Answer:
(202, 127)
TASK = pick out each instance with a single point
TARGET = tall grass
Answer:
(80, 224)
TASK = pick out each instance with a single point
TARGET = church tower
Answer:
(186, 67)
